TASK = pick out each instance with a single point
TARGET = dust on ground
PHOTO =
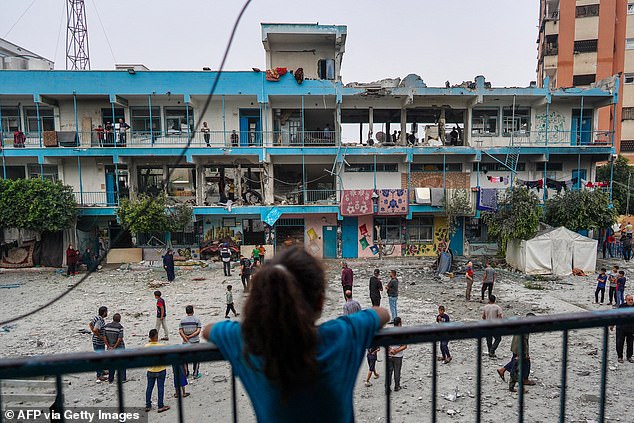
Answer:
(128, 290)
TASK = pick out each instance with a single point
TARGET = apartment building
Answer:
(584, 41)
(293, 155)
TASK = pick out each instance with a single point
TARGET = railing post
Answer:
(479, 382)
(604, 375)
(520, 378)
(388, 390)
(564, 377)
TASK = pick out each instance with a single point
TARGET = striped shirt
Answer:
(114, 331)
(189, 324)
(98, 323)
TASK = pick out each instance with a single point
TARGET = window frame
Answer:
(10, 118)
(50, 172)
(416, 223)
(429, 167)
(47, 118)
(389, 227)
(486, 120)
(181, 116)
(369, 168)
(522, 119)
(145, 118)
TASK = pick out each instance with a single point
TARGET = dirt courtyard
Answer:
(63, 328)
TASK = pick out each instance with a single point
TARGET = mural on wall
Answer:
(441, 238)
(556, 125)
(363, 240)
(187, 253)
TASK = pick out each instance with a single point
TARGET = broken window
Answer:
(578, 80)
(176, 120)
(552, 45)
(485, 122)
(150, 179)
(435, 167)
(420, 229)
(10, 118)
(387, 230)
(182, 182)
(47, 121)
(587, 11)
(326, 69)
(516, 122)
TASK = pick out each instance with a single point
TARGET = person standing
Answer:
(469, 279)
(625, 333)
(206, 133)
(443, 317)
(229, 301)
(72, 256)
(612, 275)
(123, 129)
(245, 272)
(262, 251)
(189, 331)
(347, 277)
(392, 294)
(488, 280)
(97, 327)
(89, 259)
(168, 265)
(225, 256)
(351, 305)
(395, 362)
(372, 357)
(601, 280)
(620, 288)
(375, 289)
(113, 332)
(255, 254)
(515, 361)
(155, 376)
(161, 313)
(492, 311)
(627, 247)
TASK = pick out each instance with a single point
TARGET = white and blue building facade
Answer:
(286, 152)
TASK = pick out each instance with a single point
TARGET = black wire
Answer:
(178, 161)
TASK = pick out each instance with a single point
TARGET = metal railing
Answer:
(543, 138)
(100, 199)
(61, 364)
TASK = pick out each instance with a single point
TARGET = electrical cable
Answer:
(178, 161)
(104, 31)
(59, 31)
(19, 19)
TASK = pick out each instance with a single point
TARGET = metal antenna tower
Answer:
(77, 56)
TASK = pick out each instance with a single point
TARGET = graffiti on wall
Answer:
(556, 125)
(441, 238)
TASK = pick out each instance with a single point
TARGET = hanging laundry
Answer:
(487, 199)
(356, 202)
(393, 202)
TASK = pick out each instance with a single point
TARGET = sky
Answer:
(439, 40)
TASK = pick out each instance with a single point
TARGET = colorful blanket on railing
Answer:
(357, 202)
(393, 202)
(488, 199)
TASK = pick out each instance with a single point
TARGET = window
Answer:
(176, 120)
(10, 118)
(627, 146)
(14, 172)
(497, 167)
(420, 229)
(436, 167)
(150, 179)
(628, 113)
(628, 78)
(476, 230)
(585, 46)
(369, 167)
(586, 11)
(140, 119)
(46, 118)
(182, 182)
(106, 115)
(49, 172)
(552, 45)
(326, 69)
(630, 8)
(578, 80)
(517, 122)
(629, 43)
(484, 122)
(389, 230)
(552, 167)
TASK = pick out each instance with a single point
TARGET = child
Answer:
(601, 279)
(372, 357)
(612, 279)
(161, 313)
(180, 380)
(620, 288)
(444, 345)
(230, 307)
(469, 277)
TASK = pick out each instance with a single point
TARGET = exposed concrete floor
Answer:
(126, 291)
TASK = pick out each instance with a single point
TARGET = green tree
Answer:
(622, 170)
(144, 214)
(456, 206)
(36, 204)
(179, 217)
(517, 217)
(581, 210)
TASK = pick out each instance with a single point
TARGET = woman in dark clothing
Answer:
(71, 260)
(168, 265)
(89, 260)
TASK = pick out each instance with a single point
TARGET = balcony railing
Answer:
(62, 364)
(543, 138)
(97, 199)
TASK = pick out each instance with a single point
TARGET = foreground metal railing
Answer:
(58, 365)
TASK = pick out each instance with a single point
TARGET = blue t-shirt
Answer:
(342, 345)
(601, 279)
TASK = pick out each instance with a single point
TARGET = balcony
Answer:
(57, 366)
(542, 138)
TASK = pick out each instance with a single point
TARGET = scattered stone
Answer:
(584, 373)
(590, 398)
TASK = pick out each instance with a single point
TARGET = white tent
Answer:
(554, 251)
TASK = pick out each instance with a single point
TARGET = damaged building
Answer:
(294, 156)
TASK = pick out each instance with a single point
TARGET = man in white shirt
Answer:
(492, 311)
(395, 362)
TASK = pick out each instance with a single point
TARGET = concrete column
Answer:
(133, 180)
(238, 176)
(403, 140)
(467, 127)
(268, 183)
(200, 184)
(371, 122)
